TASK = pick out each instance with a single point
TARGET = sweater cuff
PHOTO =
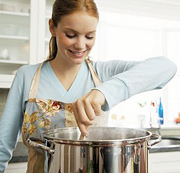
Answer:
(113, 94)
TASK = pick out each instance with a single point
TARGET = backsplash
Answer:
(3, 97)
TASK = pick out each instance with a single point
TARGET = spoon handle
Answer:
(81, 137)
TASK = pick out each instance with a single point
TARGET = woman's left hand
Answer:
(87, 108)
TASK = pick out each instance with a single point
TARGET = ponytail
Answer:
(52, 49)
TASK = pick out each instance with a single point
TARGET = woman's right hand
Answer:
(87, 108)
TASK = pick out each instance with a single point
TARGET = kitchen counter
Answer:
(168, 148)
(164, 149)
(166, 145)
(21, 152)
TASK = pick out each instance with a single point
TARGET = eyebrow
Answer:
(77, 31)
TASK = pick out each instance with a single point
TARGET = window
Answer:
(136, 37)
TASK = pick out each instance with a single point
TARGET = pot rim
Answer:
(96, 142)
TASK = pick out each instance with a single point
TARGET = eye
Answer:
(89, 37)
(70, 36)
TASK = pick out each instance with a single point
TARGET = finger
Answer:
(83, 129)
(80, 114)
(89, 111)
(81, 126)
(97, 109)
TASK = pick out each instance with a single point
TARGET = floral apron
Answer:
(45, 114)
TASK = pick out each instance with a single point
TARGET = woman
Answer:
(65, 90)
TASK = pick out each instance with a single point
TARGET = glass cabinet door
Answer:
(48, 14)
(14, 34)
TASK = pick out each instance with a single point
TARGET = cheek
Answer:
(91, 43)
(64, 42)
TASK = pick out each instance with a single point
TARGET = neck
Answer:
(65, 72)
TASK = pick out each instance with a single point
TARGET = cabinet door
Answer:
(18, 37)
(14, 34)
(16, 167)
(167, 162)
(46, 34)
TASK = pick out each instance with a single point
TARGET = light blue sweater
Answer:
(121, 80)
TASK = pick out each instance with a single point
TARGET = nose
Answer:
(80, 43)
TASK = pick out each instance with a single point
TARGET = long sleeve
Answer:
(123, 79)
(10, 123)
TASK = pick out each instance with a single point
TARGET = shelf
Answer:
(16, 18)
(14, 37)
(2, 61)
(14, 13)
(13, 40)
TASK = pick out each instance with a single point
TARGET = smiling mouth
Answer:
(77, 53)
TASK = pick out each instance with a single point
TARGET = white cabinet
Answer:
(18, 36)
(16, 168)
(43, 29)
(48, 12)
(24, 35)
(165, 162)
(14, 35)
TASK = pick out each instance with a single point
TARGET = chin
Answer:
(78, 60)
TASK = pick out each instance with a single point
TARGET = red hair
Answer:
(65, 7)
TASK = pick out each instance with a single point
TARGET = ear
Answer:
(52, 28)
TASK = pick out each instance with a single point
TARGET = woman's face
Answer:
(75, 36)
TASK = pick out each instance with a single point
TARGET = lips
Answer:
(77, 53)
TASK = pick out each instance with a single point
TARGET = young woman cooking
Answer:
(69, 89)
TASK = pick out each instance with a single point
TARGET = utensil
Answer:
(100, 121)
(106, 149)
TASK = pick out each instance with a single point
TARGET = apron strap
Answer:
(35, 83)
(95, 77)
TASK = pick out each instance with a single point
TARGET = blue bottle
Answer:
(160, 113)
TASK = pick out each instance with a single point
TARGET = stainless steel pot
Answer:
(106, 150)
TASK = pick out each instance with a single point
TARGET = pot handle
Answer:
(41, 146)
(159, 139)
